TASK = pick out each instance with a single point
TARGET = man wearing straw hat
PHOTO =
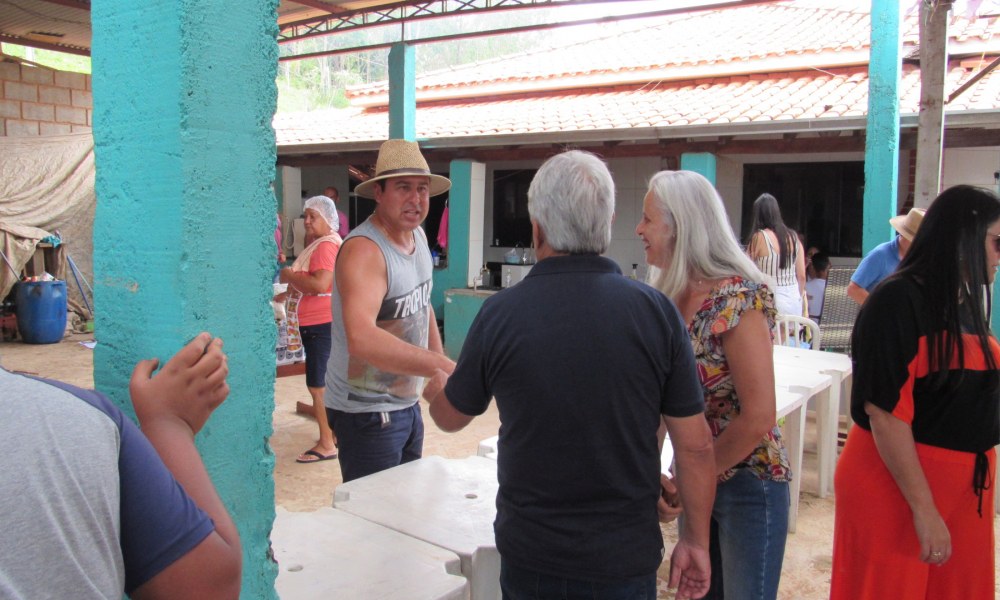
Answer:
(883, 260)
(385, 335)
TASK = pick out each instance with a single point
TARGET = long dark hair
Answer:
(767, 215)
(948, 260)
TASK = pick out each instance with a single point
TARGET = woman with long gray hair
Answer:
(728, 304)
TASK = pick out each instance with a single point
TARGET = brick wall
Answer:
(41, 101)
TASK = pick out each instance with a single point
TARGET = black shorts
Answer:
(317, 341)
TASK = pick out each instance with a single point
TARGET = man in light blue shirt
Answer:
(883, 260)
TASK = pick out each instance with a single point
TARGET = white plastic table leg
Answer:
(795, 424)
(827, 424)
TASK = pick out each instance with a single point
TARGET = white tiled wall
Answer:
(631, 177)
(972, 166)
(317, 179)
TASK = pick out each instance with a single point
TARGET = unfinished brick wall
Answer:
(42, 101)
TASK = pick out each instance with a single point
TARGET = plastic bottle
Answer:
(634, 274)
(508, 278)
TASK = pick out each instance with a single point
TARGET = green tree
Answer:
(56, 60)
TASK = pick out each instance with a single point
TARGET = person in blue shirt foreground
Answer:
(583, 362)
(883, 260)
(102, 509)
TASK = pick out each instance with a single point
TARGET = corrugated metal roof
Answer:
(68, 21)
(21, 22)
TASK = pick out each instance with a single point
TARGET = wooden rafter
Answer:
(666, 147)
(71, 3)
(973, 80)
(20, 41)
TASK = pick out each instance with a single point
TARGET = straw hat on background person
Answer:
(907, 225)
(401, 158)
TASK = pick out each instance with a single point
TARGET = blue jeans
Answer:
(749, 527)
(373, 442)
(522, 584)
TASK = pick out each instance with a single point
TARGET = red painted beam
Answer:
(330, 8)
(70, 3)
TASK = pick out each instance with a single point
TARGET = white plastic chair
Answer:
(789, 328)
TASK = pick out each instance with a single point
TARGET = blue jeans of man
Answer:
(749, 527)
(522, 584)
(372, 441)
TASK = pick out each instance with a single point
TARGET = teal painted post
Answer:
(402, 92)
(455, 275)
(184, 94)
(995, 314)
(279, 186)
(882, 142)
(462, 310)
(702, 163)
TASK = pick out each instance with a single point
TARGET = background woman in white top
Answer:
(778, 253)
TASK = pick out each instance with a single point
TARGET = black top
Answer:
(890, 358)
(582, 362)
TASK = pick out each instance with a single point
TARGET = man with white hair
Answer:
(584, 363)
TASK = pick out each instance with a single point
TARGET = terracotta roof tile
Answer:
(795, 27)
(765, 97)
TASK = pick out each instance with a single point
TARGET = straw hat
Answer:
(400, 158)
(907, 225)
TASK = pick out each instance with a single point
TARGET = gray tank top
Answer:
(353, 385)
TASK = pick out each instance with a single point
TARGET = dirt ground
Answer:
(299, 487)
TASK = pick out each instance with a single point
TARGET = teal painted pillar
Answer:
(702, 163)
(455, 275)
(279, 186)
(402, 92)
(882, 141)
(184, 94)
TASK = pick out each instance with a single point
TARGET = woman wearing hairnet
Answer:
(310, 280)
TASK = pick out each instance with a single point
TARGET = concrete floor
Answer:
(306, 487)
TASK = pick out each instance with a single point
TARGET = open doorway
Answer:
(824, 201)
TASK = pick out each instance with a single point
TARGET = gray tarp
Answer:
(47, 185)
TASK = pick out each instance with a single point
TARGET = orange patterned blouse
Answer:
(719, 313)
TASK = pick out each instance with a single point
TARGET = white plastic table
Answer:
(488, 447)
(332, 554)
(790, 406)
(450, 503)
(838, 367)
(793, 389)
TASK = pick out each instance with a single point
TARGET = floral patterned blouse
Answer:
(719, 313)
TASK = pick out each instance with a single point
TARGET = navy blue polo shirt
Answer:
(582, 362)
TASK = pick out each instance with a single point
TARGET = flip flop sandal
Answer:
(319, 457)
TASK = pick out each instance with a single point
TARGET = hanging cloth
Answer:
(442, 238)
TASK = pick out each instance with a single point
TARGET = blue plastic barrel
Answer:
(41, 311)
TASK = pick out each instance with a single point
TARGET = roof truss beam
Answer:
(13, 39)
(662, 148)
(953, 138)
(418, 10)
(329, 8)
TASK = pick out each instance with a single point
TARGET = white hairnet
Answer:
(326, 209)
